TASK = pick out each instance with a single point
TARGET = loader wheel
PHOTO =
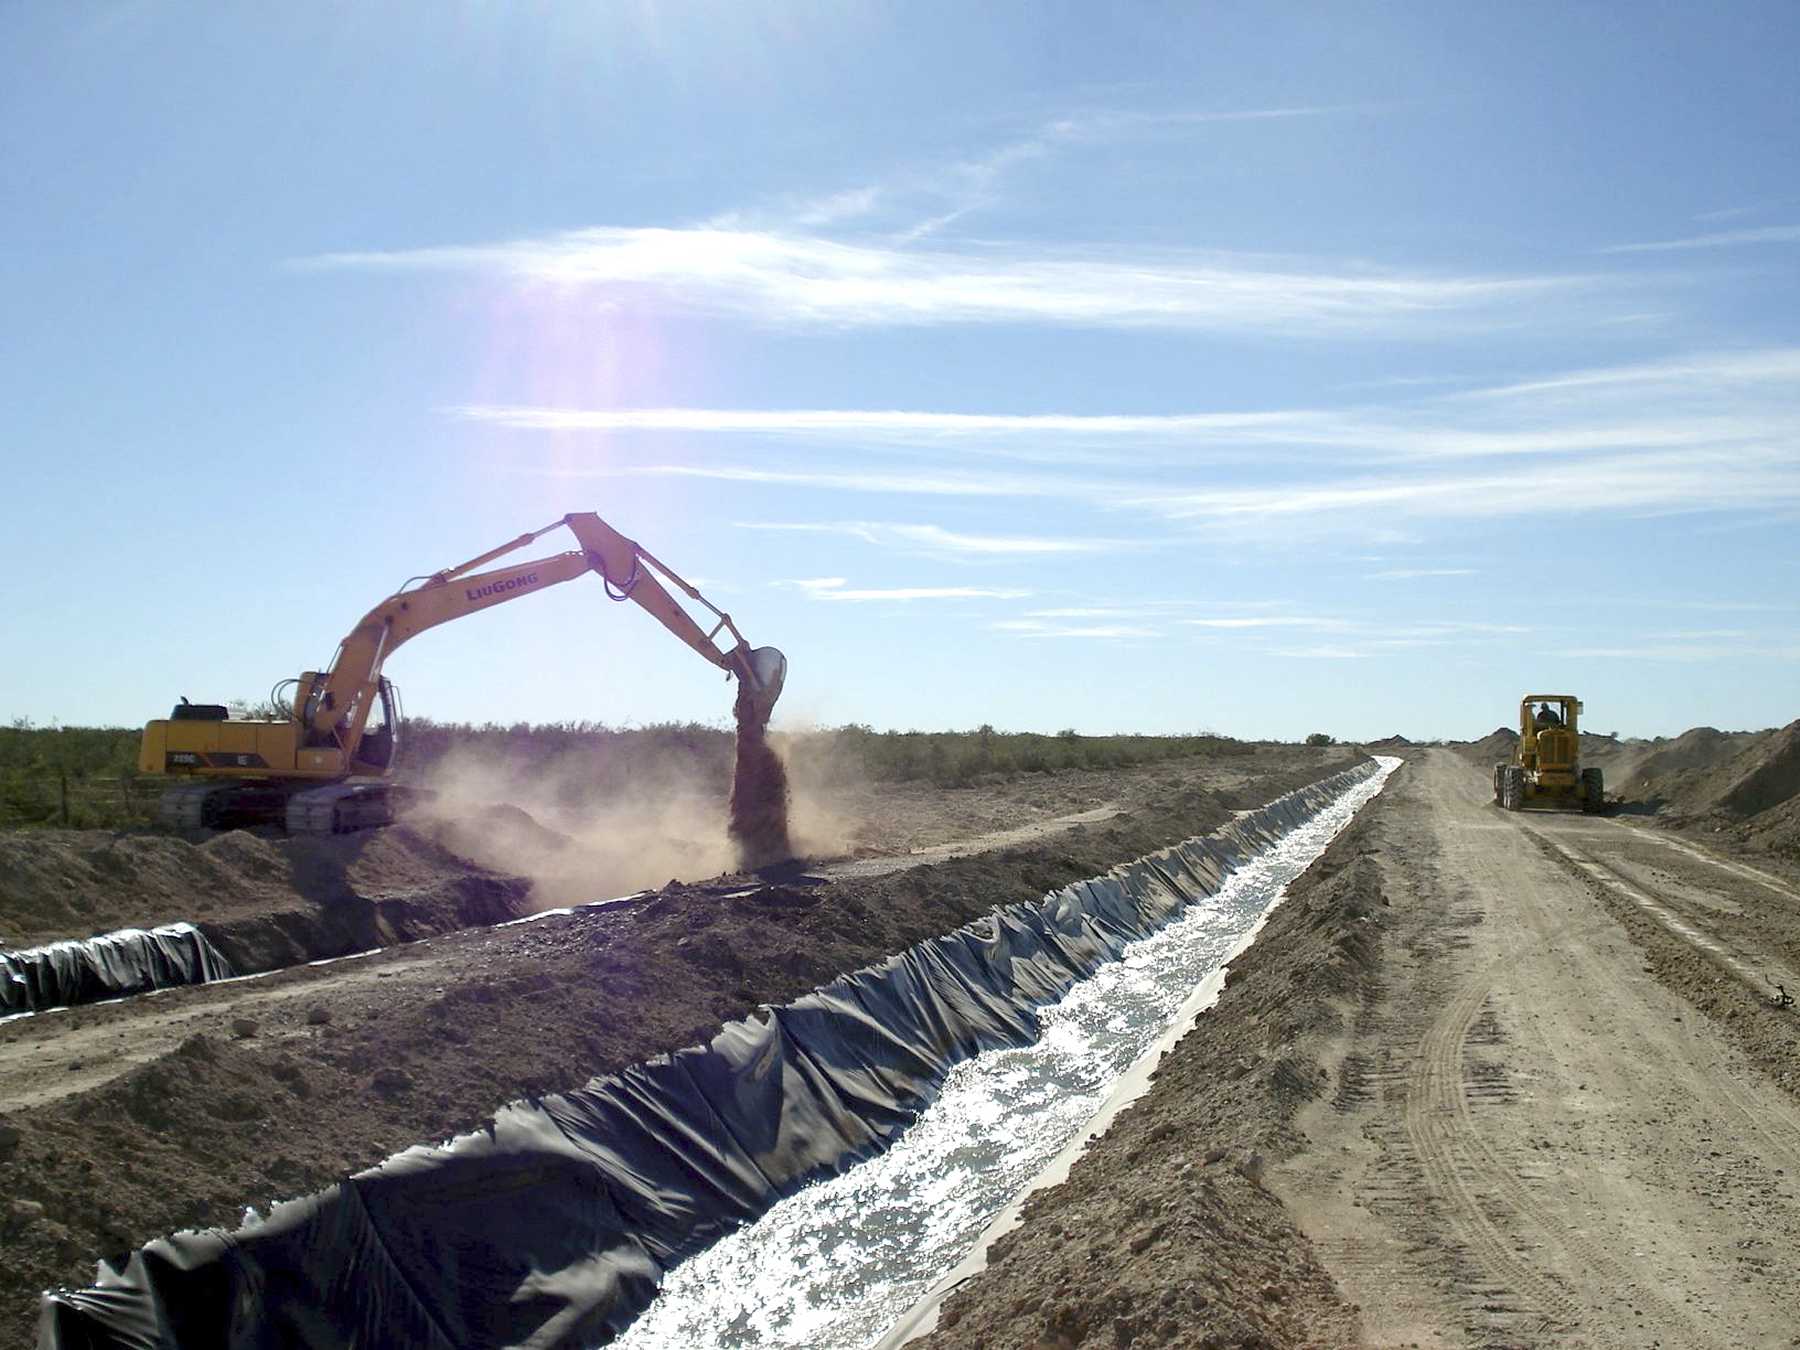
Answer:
(1512, 787)
(1593, 792)
(1499, 772)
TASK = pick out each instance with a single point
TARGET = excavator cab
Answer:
(379, 748)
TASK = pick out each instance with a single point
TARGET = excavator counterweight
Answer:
(325, 766)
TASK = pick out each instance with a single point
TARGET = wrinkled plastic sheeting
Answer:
(130, 961)
(553, 1226)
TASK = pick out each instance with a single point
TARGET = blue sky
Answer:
(1253, 367)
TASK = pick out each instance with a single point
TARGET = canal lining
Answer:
(553, 1226)
(113, 965)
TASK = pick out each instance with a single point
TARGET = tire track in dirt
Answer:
(1532, 1142)
(1757, 968)
(1486, 1197)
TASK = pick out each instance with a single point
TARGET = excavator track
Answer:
(193, 806)
(344, 808)
(336, 808)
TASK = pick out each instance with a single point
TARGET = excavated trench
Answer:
(556, 1223)
(133, 961)
(841, 1262)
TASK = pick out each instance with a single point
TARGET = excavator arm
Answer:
(301, 769)
(335, 706)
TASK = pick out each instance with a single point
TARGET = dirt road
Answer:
(1550, 1125)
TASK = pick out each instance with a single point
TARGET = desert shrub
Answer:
(87, 776)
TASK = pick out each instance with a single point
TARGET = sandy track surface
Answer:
(1536, 1138)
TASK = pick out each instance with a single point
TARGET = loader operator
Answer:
(1546, 716)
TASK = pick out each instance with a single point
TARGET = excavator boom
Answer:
(343, 721)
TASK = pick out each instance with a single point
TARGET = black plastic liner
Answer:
(130, 961)
(553, 1226)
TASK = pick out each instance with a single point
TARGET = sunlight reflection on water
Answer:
(836, 1264)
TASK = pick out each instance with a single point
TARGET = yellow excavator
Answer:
(1545, 769)
(323, 768)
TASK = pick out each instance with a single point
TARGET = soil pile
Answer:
(1701, 770)
(57, 884)
(1742, 784)
(1765, 775)
(759, 790)
(1494, 748)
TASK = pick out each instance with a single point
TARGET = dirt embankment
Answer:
(1737, 787)
(1163, 1234)
(276, 1087)
(265, 902)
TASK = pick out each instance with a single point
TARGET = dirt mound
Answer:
(1771, 779)
(1394, 742)
(58, 884)
(1694, 774)
(1696, 748)
(1492, 748)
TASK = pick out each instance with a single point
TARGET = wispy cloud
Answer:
(1038, 628)
(1697, 374)
(1411, 573)
(1643, 484)
(1324, 652)
(839, 588)
(1241, 621)
(913, 425)
(1764, 234)
(1651, 651)
(1709, 432)
(923, 483)
(915, 202)
(1701, 401)
(937, 541)
(800, 280)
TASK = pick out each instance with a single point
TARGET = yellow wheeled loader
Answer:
(1545, 770)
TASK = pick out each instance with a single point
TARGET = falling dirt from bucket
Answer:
(759, 790)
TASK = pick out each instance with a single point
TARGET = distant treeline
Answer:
(87, 776)
(80, 776)
(616, 758)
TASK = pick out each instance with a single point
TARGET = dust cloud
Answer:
(821, 780)
(573, 847)
(677, 820)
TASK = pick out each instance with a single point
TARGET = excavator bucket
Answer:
(764, 671)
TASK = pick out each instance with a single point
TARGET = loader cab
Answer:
(1547, 734)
